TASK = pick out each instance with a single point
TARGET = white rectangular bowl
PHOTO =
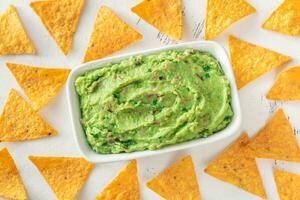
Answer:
(73, 100)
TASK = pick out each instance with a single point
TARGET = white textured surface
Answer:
(256, 109)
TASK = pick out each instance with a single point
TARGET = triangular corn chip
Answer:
(288, 185)
(285, 19)
(20, 122)
(250, 61)
(110, 34)
(179, 181)
(60, 17)
(237, 166)
(124, 187)
(287, 85)
(65, 175)
(39, 84)
(276, 140)
(11, 186)
(221, 14)
(13, 38)
(165, 15)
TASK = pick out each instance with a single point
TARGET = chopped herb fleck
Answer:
(206, 68)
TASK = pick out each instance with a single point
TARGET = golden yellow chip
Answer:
(287, 85)
(110, 34)
(60, 17)
(179, 181)
(165, 15)
(221, 14)
(39, 84)
(276, 140)
(65, 175)
(285, 19)
(124, 187)
(250, 61)
(237, 166)
(20, 122)
(11, 186)
(13, 38)
(288, 185)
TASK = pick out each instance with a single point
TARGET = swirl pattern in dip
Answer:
(148, 102)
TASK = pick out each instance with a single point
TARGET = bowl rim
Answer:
(74, 110)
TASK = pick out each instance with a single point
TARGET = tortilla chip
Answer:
(285, 19)
(237, 166)
(288, 185)
(165, 15)
(124, 187)
(276, 140)
(179, 181)
(65, 175)
(110, 34)
(13, 38)
(60, 17)
(287, 85)
(39, 84)
(250, 61)
(20, 122)
(221, 14)
(11, 185)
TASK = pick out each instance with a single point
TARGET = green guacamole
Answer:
(148, 102)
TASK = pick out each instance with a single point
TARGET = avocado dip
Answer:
(148, 102)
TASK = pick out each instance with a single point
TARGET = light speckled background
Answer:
(256, 109)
